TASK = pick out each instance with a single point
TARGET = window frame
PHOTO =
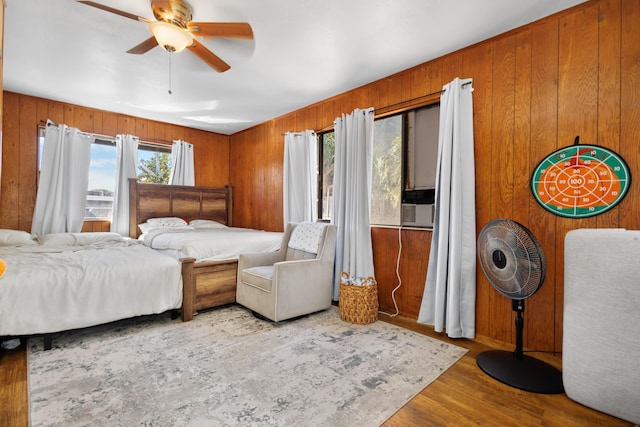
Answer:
(105, 140)
(404, 112)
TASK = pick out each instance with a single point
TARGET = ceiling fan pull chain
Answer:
(170, 74)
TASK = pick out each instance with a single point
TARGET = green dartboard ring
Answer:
(580, 181)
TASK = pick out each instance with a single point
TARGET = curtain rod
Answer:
(296, 133)
(50, 123)
(108, 137)
(438, 92)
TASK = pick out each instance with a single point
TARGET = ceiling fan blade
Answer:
(144, 47)
(112, 10)
(209, 57)
(236, 30)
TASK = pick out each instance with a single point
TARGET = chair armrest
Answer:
(300, 272)
(303, 286)
(249, 260)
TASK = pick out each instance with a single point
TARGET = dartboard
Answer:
(580, 181)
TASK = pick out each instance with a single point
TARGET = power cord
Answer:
(393, 293)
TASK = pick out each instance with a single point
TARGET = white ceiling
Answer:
(304, 51)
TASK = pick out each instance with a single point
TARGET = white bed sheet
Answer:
(208, 244)
(49, 289)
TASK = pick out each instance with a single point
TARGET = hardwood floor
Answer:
(14, 404)
(463, 395)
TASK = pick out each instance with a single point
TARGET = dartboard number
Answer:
(580, 181)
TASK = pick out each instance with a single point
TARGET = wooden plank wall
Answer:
(22, 116)
(2, 6)
(535, 89)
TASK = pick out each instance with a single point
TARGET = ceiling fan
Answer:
(173, 30)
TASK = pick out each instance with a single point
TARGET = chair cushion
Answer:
(294, 255)
(260, 277)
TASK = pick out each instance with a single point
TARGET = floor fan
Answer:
(513, 262)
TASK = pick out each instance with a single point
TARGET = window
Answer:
(422, 147)
(326, 157)
(102, 180)
(154, 166)
(154, 163)
(405, 150)
(386, 185)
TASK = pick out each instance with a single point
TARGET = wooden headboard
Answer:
(159, 200)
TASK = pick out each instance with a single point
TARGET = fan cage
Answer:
(524, 266)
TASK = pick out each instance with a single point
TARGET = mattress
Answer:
(56, 287)
(208, 244)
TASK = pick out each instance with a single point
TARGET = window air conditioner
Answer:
(417, 215)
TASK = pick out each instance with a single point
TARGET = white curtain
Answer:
(352, 195)
(126, 167)
(300, 192)
(182, 169)
(450, 290)
(63, 181)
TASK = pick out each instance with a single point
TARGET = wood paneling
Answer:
(543, 137)
(502, 164)
(22, 116)
(400, 262)
(609, 25)
(10, 167)
(535, 89)
(2, 6)
(478, 63)
(630, 107)
(96, 226)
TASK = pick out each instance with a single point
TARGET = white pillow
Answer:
(147, 227)
(57, 239)
(307, 236)
(170, 221)
(15, 238)
(77, 239)
(97, 236)
(206, 223)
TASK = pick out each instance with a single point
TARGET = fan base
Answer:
(529, 374)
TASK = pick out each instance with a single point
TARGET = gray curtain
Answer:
(352, 195)
(126, 167)
(449, 297)
(182, 168)
(63, 181)
(300, 192)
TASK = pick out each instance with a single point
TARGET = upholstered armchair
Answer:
(293, 281)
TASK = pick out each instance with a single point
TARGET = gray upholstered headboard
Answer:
(601, 339)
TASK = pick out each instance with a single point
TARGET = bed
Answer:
(74, 280)
(209, 253)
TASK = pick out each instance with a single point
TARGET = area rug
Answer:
(229, 368)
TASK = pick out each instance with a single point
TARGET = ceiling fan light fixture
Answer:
(170, 37)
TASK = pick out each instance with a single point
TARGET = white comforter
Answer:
(206, 244)
(53, 288)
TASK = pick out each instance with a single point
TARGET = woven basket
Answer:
(358, 303)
